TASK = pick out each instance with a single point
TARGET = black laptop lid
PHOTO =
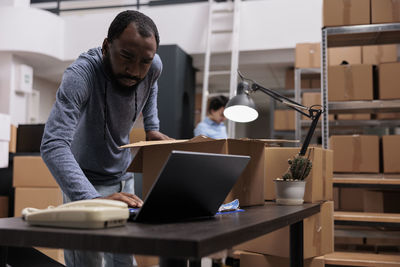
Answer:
(191, 185)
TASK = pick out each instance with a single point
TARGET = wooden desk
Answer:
(188, 240)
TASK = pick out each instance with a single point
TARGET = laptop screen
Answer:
(191, 185)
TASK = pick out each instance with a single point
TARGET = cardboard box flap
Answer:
(200, 138)
(137, 162)
(268, 141)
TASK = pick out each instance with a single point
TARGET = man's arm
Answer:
(58, 135)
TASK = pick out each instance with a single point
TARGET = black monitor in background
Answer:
(29, 138)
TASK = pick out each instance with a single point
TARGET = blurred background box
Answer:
(308, 55)
(36, 197)
(284, 120)
(377, 54)
(391, 153)
(351, 82)
(355, 153)
(31, 171)
(12, 147)
(29, 137)
(354, 116)
(250, 259)
(345, 12)
(385, 11)
(389, 80)
(4, 206)
(352, 55)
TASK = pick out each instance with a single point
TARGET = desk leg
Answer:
(3, 256)
(296, 245)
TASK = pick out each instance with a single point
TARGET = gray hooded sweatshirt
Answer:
(90, 120)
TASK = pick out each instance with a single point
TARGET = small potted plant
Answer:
(290, 188)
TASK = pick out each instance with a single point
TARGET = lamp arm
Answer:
(283, 99)
(310, 132)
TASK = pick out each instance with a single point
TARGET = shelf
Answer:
(372, 106)
(371, 34)
(367, 218)
(356, 123)
(377, 181)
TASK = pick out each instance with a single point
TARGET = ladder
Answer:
(229, 8)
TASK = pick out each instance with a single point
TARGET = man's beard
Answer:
(120, 88)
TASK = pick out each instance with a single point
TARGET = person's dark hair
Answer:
(217, 102)
(145, 25)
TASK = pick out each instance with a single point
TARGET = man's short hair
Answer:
(217, 102)
(145, 25)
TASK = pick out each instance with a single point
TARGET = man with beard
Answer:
(100, 97)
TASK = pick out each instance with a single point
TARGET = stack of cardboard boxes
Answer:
(369, 154)
(35, 187)
(358, 12)
(273, 249)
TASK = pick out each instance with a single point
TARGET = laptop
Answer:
(190, 185)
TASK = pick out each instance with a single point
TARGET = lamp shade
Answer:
(241, 108)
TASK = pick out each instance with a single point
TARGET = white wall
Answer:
(47, 91)
(31, 30)
(6, 66)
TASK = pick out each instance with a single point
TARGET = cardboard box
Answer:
(350, 82)
(308, 55)
(4, 154)
(289, 80)
(378, 54)
(318, 237)
(381, 201)
(345, 12)
(315, 83)
(355, 153)
(12, 146)
(146, 261)
(249, 259)
(137, 135)
(319, 181)
(390, 153)
(354, 116)
(388, 116)
(284, 120)
(4, 127)
(55, 254)
(249, 189)
(31, 171)
(352, 55)
(389, 78)
(3, 206)
(336, 198)
(36, 197)
(385, 11)
(351, 199)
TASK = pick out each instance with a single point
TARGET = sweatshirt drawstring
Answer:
(134, 116)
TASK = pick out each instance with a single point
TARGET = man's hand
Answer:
(130, 199)
(156, 135)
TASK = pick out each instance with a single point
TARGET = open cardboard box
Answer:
(150, 156)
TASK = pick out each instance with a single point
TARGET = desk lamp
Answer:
(241, 107)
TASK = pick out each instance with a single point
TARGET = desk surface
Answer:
(189, 239)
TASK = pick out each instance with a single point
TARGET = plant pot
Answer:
(289, 192)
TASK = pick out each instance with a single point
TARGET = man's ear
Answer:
(104, 47)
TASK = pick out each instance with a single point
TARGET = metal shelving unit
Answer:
(372, 34)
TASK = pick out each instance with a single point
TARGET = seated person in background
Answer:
(213, 125)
